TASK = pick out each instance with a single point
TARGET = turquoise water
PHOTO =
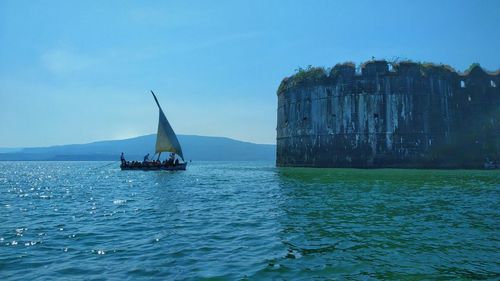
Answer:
(246, 220)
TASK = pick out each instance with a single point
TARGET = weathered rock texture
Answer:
(403, 115)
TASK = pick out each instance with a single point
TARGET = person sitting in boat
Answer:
(171, 158)
(122, 158)
(146, 158)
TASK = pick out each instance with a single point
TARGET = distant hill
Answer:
(194, 148)
(9, 150)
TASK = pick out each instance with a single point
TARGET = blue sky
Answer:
(81, 71)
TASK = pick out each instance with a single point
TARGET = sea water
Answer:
(246, 220)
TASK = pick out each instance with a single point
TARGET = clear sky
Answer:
(81, 71)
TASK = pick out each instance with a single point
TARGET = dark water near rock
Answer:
(246, 220)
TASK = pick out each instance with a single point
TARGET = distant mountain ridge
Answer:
(200, 148)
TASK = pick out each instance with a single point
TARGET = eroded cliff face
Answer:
(413, 115)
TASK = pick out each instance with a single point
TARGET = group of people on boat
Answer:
(171, 161)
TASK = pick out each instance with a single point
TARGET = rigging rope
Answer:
(114, 162)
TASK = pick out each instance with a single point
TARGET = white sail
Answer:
(166, 140)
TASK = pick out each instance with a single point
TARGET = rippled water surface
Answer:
(246, 220)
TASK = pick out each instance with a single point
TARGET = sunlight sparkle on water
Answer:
(270, 223)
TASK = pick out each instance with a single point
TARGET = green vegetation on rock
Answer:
(307, 74)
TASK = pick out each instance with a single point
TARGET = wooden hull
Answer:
(178, 167)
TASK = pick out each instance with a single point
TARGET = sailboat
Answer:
(166, 141)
